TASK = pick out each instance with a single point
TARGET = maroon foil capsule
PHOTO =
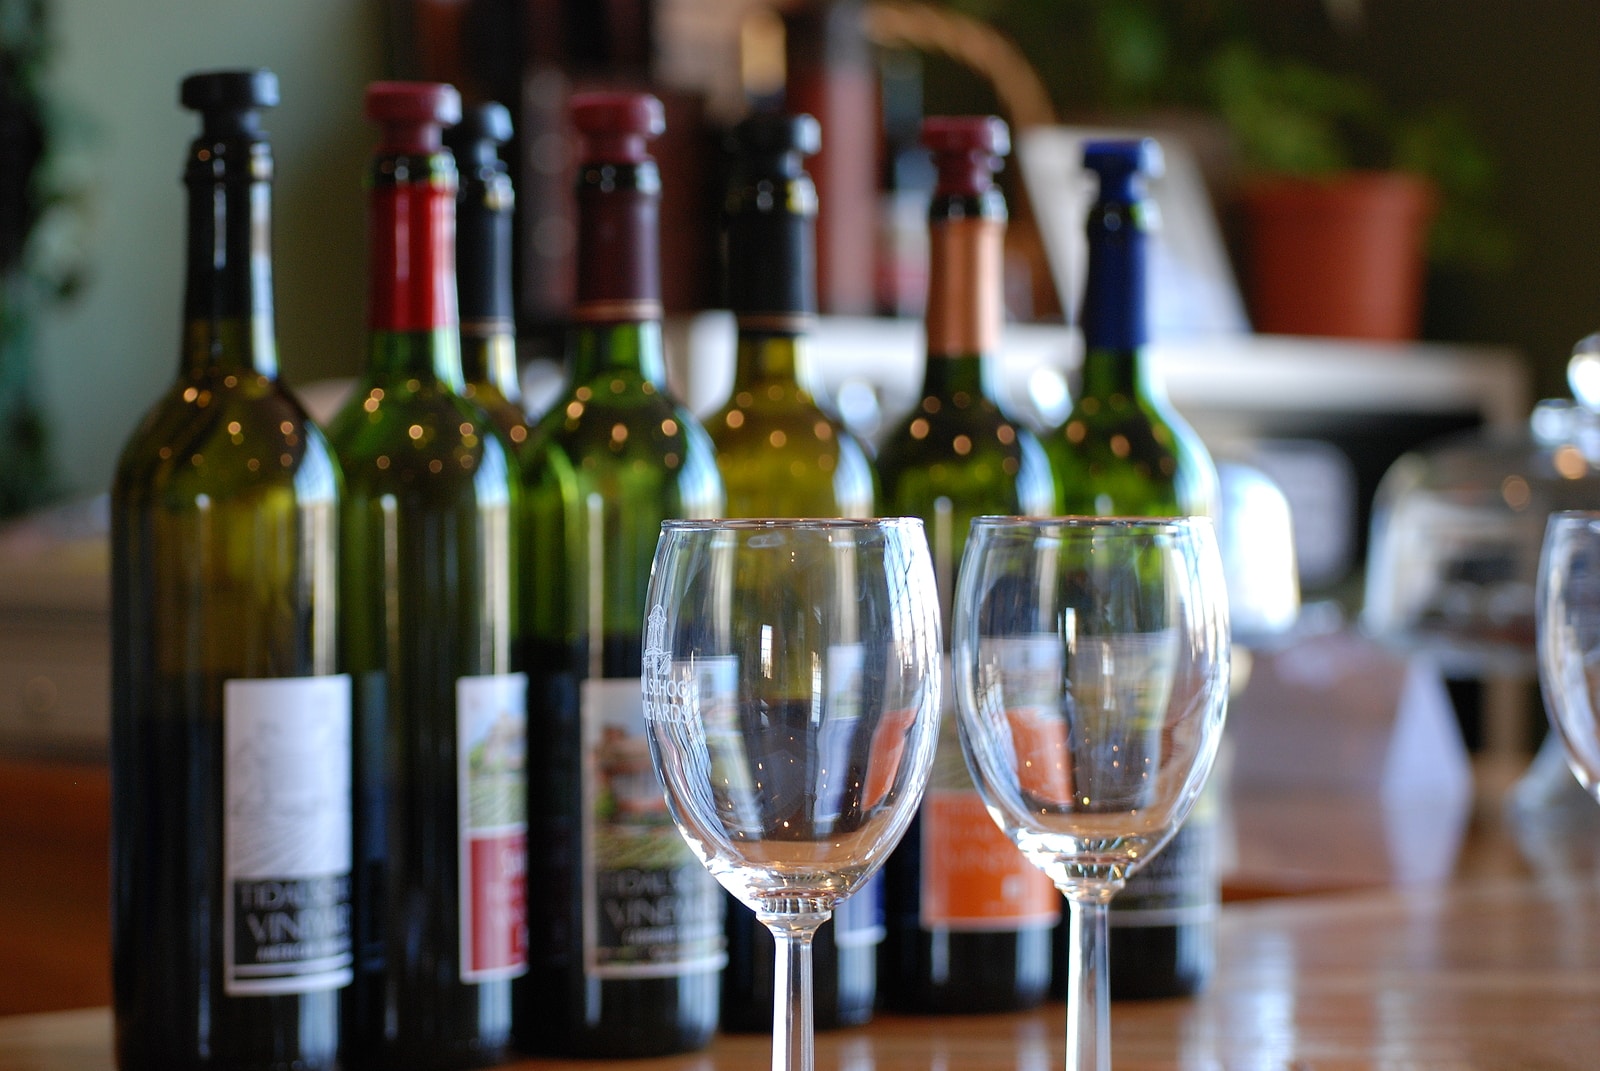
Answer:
(617, 126)
(967, 151)
(619, 202)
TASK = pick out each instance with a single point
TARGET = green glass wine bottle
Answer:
(484, 206)
(781, 455)
(225, 699)
(969, 919)
(428, 559)
(1125, 451)
(625, 923)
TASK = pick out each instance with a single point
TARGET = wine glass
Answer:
(1091, 676)
(791, 696)
(1567, 620)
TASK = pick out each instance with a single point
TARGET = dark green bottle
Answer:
(968, 918)
(625, 922)
(224, 604)
(483, 267)
(428, 568)
(781, 455)
(1125, 451)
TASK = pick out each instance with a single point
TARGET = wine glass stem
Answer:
(1088, 990)
(793, 1027)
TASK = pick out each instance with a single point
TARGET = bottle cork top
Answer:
(1123, 165)
(967, 150)
(229, 100)
(772, 141)
(482, 130)
(413, 115)
(617, 126)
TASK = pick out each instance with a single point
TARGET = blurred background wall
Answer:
(1520, 74)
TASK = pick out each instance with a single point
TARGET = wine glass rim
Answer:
(1084, 521)
(1580, 516)
(760, 524)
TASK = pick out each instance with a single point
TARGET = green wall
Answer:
(102, 359)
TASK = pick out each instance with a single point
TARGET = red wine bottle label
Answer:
(650, 908)
(491, 749)
(286, 835)
(973, 877)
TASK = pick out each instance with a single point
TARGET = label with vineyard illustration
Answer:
(651, 910)
(491, 726)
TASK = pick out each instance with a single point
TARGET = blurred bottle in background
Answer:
(969, 918)
(625, 922)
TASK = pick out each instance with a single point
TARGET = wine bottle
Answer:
(483, 267)
(1125, 450)
(428, 561)
(625, 922)
(781, 455)
(225, 700)
(969, 919)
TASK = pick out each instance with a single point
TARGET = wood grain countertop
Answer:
(1497, 974)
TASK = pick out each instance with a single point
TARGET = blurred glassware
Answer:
(1256, 537)
(1457, 526)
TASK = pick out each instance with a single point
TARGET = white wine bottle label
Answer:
(491, 758)
(973, 877)
(286, 835)
(650, 909)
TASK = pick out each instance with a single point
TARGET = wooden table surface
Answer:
(1497, 974)
(1493, 967)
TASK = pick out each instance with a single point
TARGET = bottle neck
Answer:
(1114, 320)
(772, 258)
(483, 256)
(629, 348)
(490, 357)
(411, 302)
(764, 357)
(966, 237)
(227, 306)
(619, 261)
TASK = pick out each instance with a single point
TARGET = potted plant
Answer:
(1310, 145)
(1341, 198)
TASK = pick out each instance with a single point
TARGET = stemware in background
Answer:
(1568, 627)
(1091, 673)
(791, 694)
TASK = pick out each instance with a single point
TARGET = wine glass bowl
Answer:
(1568, 629)
(1091, 675)
(791, 694)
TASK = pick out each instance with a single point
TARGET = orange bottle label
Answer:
(973, 877)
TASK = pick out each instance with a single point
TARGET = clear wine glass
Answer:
(1567, 618)
(1091, 675)
(791, 684)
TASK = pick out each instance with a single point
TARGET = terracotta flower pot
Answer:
(1340, 256)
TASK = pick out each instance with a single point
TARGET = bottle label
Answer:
(492, 809)
(858, 919)
(1179, 886)
(286, 835)
(650, 908)
(973, 877)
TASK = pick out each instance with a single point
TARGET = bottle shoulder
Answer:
(223, 437)
(1131, 459)
(642, 446)
(393, 436)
